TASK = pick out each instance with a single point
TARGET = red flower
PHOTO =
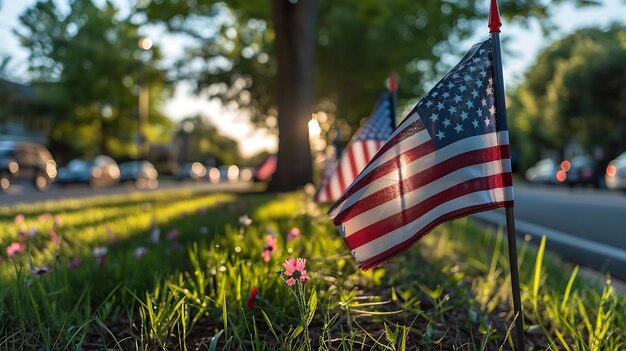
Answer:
(252, 298)
(294, 269)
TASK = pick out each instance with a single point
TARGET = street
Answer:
(584, 225)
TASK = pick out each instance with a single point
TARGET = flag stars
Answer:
(484, 102)
(451, 85)
(457, 98)
(492, 110)
(463, 88)
(429, 104)
(489, 90)
(440, 105)
(440, 135)
(434, 117)
(445, 95)
(469, 104)
(446, 122)
(487, 121)
(452, 110)
(464, 115)
(474, 93)
(458, 128)
(475, 123)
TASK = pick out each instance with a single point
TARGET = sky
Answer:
(523, 45)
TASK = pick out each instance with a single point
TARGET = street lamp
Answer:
(143, 103)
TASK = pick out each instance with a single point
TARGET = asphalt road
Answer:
(584, 225)
(25, 194)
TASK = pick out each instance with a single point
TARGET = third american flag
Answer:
(448, 158)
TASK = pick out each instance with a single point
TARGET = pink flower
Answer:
(19, 219)
(14, 249)
(173, 234)
(54, 237)
(268, 249)
(21, 236)
(44, 217)
(37, 271)
(58, 221)
(294, 269)
(292, 234)
(74, 263)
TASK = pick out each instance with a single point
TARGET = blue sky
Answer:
(524, 44)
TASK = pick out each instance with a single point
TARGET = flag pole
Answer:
(392, 86)
(494, 30)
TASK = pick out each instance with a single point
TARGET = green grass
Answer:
(451, 291)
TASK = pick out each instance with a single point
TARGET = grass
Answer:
(177, 270)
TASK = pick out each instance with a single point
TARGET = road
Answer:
(584, 225)
(26, 194)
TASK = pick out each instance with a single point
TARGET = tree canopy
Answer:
(575, 91)
(87, 64)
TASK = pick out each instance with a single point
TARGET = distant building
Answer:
(23, 114)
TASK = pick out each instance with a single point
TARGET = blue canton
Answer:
(381, 123)
(462, 103)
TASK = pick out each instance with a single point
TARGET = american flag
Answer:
(360, 150)
(449, 158)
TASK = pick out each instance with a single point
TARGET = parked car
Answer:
(191, 171)
(544, 171)
(229, 173)
(22, 161)
(615, 175)
(581, 170)
(142, 174)
(99, 171)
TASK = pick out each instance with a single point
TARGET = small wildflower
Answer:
(44, 217)
(252, 298)
(245, 220)
(173, 234)
(54, 237)
(294, 269)
(309, 189)
(32, 232)
(38, 271)
(269, 248)
(21, 236)
(292, 234)
(14, 249)
(58, 221)
(101, 255)
(74, 263)
(155, 234)
(19, 219)
(140, 252)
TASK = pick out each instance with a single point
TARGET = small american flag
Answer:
(363, 146)
(449, 158)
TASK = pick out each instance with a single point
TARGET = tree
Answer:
(575, 90)
(86, 63)
(357, 42)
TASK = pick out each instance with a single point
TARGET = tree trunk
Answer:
(295, 26)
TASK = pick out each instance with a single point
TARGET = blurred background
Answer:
(102, 92)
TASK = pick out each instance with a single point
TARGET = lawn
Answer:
(184, 270)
